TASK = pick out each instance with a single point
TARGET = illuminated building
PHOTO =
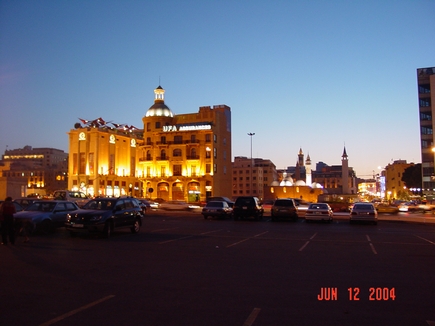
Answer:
(426, 109)
(175, 157)
(185, 156)
(393, 178)
(102, 159)
(35, 170)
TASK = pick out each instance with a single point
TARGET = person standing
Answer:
(7, 211)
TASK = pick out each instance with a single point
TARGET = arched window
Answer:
(176, 152)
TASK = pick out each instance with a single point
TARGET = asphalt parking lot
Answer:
(184, 270)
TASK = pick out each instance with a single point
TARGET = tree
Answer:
(412, 176)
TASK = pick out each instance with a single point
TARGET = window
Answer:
(163, 154)
(426, 131)
(208, 138)
(215, 138)
(91, 163)
(177, 169)
(193, 138)
(177, 152)
(149, 141)
(214, 152)
(157, 124)
(82, 166)
(178, 139)
(426, 116)
(148, 126)
(148, 158)
(207, 168)
(163, 139)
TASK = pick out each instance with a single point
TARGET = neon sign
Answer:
(186, 127)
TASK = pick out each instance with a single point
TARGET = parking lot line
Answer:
(371, 244)
(306, 243)
(250, 320)
(236, 243)
(75, 311)
(425, 239)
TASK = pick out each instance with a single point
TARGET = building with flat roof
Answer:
(426, 100)
(174, 157)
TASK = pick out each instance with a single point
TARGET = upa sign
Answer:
(186, 127)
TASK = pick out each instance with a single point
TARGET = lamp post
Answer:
(250, 134)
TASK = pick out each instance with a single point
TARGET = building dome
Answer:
(159, 108)
(300, 183)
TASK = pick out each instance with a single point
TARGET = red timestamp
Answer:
(375, 294)
(354, 294)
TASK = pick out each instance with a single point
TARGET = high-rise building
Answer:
(426, 109)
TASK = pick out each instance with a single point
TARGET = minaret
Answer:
(297, 171)
(344, 172)
(301, 157)
(308, 179)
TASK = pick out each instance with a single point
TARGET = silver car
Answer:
(319, 212)
(45, 215)
(364, 212)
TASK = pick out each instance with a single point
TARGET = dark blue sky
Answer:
(315, 75)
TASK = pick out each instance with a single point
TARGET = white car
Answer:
(363, 212)
(178, 205)
(319, 212)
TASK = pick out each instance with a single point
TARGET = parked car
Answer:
(178, 205)
(219, 209)
(364, 212)
(284, 208)
(225, 199)
(319, 212)
(25, 201)
(247, 206)
(45, 215)
(76, 196)
(104, 215)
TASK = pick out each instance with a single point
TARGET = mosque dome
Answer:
(275, 183)
(300, 183)
(159, 108)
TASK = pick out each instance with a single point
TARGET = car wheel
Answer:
(295, 218)
(46, 227)
(136, 226)
(205, 217)
(107, 230)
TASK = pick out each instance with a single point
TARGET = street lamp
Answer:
(250, 134)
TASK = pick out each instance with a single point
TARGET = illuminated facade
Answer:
(35, 170)
(185, 156)
(393, 175)
(175, 157)
(102, 161)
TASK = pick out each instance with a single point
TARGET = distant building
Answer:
(426, 109)
(393, 178)
(253, 177)
(33, 170)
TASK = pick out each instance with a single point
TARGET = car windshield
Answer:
(42, 207)
(285, 203)
(318, 206)
(363, 207)
(215, 204)
(100, 204)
